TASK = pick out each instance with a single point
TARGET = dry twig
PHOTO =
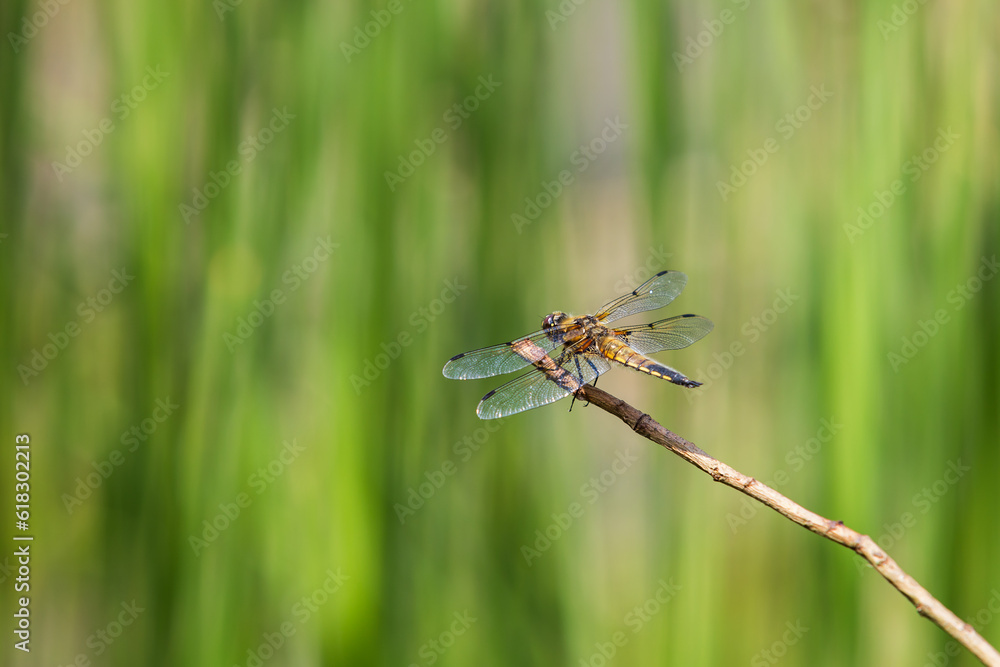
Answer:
(836, 531)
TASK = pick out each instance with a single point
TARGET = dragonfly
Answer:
(586, 347)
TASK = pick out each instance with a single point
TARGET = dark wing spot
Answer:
(689, 315)
(457, 356)
(488, 395)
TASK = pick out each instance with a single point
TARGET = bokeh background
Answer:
(240, 240)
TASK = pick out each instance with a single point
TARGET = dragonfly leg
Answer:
(579, 377)
(579, 373)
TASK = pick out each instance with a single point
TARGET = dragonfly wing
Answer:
(655, 293)
(535, 389)
(495, 360)
(672, 333)
(531, 390)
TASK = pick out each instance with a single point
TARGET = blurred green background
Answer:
(240, 240)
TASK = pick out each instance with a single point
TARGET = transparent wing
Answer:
(655, 293)
(535, 388)
(494, 360)
(672, 333)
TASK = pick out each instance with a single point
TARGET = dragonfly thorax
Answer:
(566, 329)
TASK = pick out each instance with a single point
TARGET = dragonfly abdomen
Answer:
(618, 351)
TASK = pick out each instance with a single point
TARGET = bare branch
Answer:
(836, 531)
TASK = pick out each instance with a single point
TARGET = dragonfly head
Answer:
(554, 319)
